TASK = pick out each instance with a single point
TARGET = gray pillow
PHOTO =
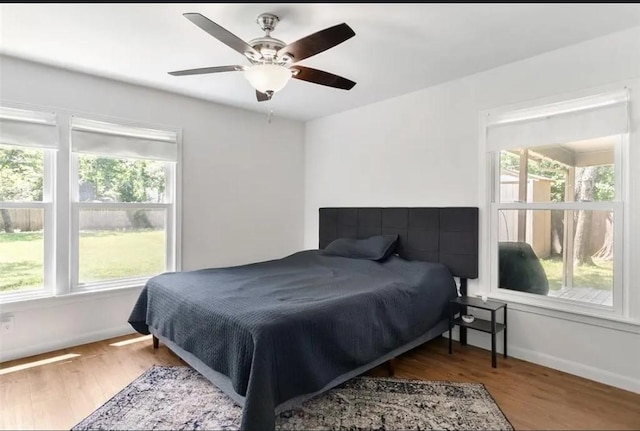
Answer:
(376, 248)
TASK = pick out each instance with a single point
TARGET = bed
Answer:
(273, 334)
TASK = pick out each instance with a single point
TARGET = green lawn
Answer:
(599, 276)
(20, 260)
(104, 255)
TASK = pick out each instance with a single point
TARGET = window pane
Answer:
(572, 171)
(105, 179)
(21, 174)
(565, 254)
(21, 249)
(121, 243)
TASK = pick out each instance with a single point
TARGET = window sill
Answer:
(67, 298)
(610, 322)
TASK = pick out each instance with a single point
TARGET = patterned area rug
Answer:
(180, 398)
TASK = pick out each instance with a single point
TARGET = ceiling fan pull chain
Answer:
(269, 106)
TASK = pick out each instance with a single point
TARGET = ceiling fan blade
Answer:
(323, 78)
(317, 42)
(261, 96)
(202, 70)
(220, 33)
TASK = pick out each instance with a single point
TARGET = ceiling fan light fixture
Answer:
(267, 77)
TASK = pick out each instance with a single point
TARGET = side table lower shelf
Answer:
(479, 325)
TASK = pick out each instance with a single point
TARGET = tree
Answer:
(604, 190)
(6, 220)
(124, 180)
(21, 178)
(581, 242)
(603, 183)
(606, 251)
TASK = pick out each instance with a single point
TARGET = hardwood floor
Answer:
(75, 381)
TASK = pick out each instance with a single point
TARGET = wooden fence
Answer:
(25, 219)
(32, 219)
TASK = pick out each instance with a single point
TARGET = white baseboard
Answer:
(564, 365)
(89, 337)
(576, 368)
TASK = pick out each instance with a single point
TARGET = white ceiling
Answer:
(398, 48)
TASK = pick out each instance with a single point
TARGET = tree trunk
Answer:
(6, 220)
(581, 241)
(606, 251)
(557, 232)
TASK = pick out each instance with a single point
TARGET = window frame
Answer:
(77, 206)
(47, 204)
(170, 206)
(489, 195)
(58, 203)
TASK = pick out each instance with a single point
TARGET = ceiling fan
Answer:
(273, 62)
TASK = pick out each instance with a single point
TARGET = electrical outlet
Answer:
(6, 324)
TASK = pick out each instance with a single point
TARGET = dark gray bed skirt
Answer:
(224, 383)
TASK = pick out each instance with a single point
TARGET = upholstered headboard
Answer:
(446, 235)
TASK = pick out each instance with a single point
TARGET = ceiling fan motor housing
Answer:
(268, 46)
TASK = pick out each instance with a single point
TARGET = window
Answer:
(556, 204)
(27, 152)
(123, 210)
(96, 209)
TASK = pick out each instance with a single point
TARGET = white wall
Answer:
(242, 191)
(422, 149)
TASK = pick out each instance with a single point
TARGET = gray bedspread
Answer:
(287, 327)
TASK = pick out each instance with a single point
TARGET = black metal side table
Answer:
(489, 326)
